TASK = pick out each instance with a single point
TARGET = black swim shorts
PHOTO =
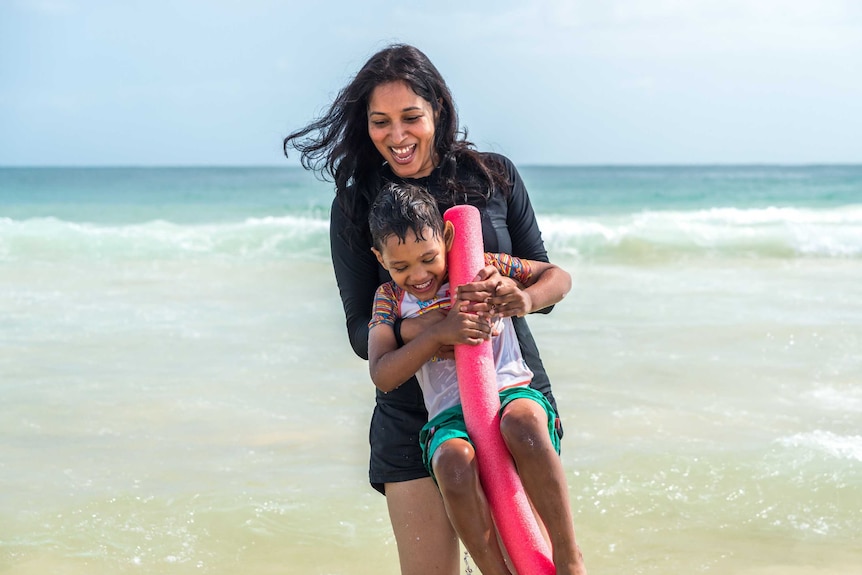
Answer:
(394, 436)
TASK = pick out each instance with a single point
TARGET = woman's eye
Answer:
(378, 123)
(412, 118)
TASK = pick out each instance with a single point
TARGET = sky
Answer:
(564, 82)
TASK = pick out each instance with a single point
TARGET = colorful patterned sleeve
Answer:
(510, 266)
(385, 309)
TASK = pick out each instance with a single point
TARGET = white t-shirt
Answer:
(437, 377)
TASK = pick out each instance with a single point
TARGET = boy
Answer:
(411, 242)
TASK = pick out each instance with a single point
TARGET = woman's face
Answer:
(401, 125)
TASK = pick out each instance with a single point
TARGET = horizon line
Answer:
(524, 165)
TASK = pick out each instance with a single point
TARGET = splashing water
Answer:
(467, 568)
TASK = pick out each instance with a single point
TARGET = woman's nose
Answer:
(397, 133)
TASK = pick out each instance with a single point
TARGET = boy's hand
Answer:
(463, 325)
(412, 326)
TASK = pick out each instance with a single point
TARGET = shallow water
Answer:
(175, 401)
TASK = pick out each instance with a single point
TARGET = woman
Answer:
(396, 121)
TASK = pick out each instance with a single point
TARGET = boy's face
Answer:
(417, 266)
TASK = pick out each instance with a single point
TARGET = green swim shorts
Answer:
(449, 423)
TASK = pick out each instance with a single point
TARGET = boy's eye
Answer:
(399, 270)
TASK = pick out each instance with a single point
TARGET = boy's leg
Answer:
(524, 426)
(455, 468)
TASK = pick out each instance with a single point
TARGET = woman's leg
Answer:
(427, 544)
(524, 426)
(455, 468)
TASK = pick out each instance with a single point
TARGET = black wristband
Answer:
(396, 328)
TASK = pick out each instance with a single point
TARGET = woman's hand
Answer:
(503, 296)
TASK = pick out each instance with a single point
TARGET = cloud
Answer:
(673, 28)
(558, 81)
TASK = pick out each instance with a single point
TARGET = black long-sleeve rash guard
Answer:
(508, 226)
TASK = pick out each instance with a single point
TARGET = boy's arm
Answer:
(390, 365)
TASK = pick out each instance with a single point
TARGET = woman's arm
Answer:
(533, 286)
(524, 231)
(357, 276)
(548, 285)
(527, 242)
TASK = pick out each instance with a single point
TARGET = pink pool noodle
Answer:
(477, 383)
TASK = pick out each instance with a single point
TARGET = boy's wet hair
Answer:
(402, 207)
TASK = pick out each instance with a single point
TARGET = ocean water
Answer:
(177, 394)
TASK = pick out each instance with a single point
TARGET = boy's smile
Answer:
(416, 265)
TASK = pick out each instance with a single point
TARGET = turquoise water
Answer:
(123, 195)
(179, 395)
(593, 213)
(615, 190)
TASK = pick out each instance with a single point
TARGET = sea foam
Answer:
(828, 443)
(52, 239)
(719, 232)
(784, 233)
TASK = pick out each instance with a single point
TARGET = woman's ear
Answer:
(448, 235)
(438, 111)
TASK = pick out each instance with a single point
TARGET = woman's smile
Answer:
(401, 126)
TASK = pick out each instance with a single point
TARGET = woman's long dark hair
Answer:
(337, 145)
